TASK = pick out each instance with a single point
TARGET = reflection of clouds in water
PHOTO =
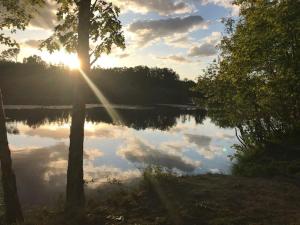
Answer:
(204, 146)
(45, 132)
(92, 154)
(215, 171)
(101, 174)
(180, 148)
(174, 146)
(138, 151)
(41, 172)
(201, 141)
(53, 131)
(224, 136)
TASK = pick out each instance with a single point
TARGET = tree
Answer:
(13, 212)
(10, 54)
(82, 24)
(14, 15)
(34, 60)
(256, 84)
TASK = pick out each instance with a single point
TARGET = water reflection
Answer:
(178, 139)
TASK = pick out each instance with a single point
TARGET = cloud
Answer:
(176, 58)
(205, 49)
(124, 55)
(41, 172)
(180, 41)
(208, 46)
(162, 7)
(204, 146)
(63, 132)
(152, 30)
(32, 43)
(99, 175)
(200, 140)
(137, 151)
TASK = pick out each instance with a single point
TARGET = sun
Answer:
(64, 58)
(72, 62)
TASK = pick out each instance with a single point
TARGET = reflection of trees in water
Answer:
(162, 118)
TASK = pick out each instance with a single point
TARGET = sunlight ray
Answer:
(106, 104)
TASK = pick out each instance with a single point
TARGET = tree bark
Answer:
(13, 211)
(75, 199)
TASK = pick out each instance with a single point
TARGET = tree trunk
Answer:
(13, 212)
(75, 199)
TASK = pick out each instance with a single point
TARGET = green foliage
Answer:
(16, 15)
(9, 54)
(34, 60)
(105, 28)
(255, 86)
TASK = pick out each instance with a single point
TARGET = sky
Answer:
(178, 34)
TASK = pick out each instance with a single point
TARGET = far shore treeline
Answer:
(35, 82)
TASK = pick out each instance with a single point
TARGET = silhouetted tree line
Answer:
(35, 82)
(162, 118)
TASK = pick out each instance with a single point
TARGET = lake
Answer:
(180, 138)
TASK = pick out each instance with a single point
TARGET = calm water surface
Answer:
(178, 138)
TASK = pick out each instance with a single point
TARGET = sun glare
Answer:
(62, 57)
(72, 62)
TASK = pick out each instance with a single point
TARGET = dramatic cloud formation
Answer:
(137, 151)
(151, 30)
(162, 7)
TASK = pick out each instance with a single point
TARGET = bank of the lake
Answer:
(192, 200)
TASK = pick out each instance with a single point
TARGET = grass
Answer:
(164, 199)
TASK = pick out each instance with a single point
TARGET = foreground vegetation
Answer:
(161, 198)
(255, 86)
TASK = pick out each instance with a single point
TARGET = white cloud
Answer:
(176, 58)
(138, 151)
(207, 47)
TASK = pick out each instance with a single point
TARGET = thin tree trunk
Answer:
(13, 212)
(75, 199)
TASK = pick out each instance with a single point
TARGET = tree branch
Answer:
(94, 5)
(92, 53)
(94, 60)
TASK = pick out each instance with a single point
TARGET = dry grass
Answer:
(199, 200)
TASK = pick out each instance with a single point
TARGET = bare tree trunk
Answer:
(75, 183)
(13, 210)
